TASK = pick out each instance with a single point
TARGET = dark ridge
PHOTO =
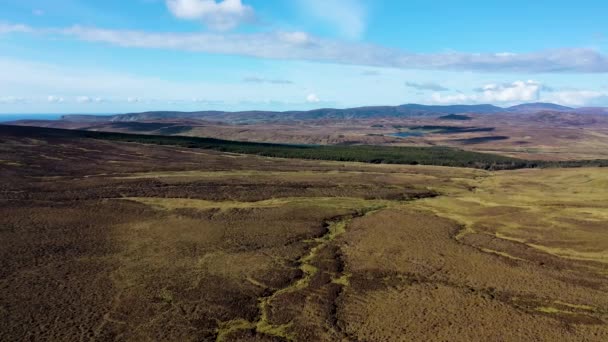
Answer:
(141, 126)
(481, 140)
(174, 130)
(452, 129)
(457, 117)
(449, 112)
(370, 112)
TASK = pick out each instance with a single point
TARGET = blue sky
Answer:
(111, 56)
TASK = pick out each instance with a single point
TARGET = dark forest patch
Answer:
(481, 140)
(458, 117)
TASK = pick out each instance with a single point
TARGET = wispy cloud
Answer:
(14, 28)
(370, 73)
(261, 80)
(55, 99)
(84, 99)
(347, 16)
(426, 86)
(303, 46)
(11, 100)
(221, 15)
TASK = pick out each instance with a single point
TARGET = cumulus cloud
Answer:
(347, 16)
(303, 46)
(87, 99)
(313, 98)
(221, 15)
(577, 97)
(526, 91)
(518, 91)
(261, 80)
(55, 99)
(426, 86)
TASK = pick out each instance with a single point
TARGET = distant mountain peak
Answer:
(537, 107)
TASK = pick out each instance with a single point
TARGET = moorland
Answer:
(536, 131)
(140, 237)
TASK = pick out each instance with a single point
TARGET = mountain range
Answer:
(371, 112)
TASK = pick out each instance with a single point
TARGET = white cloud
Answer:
(87, 99)
(347, 16)
(313, 98)
(262, 80)
(526, 91)
(133, 99)
(303, 46)
(222, 15)
(55, 99)
(518, 91)
(576, 97)
(14, 28)
(11, 100)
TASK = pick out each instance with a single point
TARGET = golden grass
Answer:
(324, 202)
(563, 212)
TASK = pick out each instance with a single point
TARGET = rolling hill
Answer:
(537, 107)
(369, 112)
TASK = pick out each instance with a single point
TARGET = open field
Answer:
(108, 240)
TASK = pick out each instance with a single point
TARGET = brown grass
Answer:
(116, 241)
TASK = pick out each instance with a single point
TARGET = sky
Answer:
(119, 56)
